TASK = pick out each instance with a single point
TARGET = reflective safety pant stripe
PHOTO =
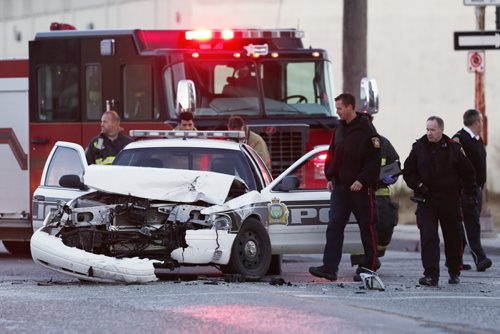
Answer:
(385, 191)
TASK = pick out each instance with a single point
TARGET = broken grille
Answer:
(286, 144)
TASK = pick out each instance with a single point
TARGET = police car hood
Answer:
(175, 185)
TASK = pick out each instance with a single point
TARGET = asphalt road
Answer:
(198, 300)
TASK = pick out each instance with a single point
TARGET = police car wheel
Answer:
(251, 251)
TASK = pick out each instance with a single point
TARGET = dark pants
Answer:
(472, 228)
(342, 203)
(387, 218)
(447, 212)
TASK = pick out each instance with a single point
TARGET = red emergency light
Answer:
(205, 35)
(199, 35)
(61, 26)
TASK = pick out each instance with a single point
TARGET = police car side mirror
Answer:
(289, 182)
(72, 181)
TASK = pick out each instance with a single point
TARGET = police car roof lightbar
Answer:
(188, 134)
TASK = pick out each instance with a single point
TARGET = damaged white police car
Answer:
(166, 203)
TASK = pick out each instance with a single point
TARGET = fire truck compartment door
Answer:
(14, 147)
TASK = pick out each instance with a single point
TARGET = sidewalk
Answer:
(406, 237)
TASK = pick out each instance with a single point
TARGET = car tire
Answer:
(18, 248)
(251, 251)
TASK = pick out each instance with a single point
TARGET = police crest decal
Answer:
(278, 212)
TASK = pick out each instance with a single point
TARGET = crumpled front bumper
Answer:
(49, 251)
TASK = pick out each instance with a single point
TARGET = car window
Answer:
(261, 168)
(311, 173)
(229, 162)
(64, 161)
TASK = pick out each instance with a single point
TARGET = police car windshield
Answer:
(224, 161)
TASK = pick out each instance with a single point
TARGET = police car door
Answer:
(65, 158)
(299, 206)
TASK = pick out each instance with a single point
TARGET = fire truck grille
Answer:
(286, 144)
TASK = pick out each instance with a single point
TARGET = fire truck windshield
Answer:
(263, 87)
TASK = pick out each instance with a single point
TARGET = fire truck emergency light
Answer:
(199, 35)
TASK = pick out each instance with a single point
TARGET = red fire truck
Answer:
(283, 91)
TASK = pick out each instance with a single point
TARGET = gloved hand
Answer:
(422, 189)
(388, 180)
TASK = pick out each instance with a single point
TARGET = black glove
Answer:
(422, 189)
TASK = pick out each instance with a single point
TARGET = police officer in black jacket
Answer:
(352, 169)
(470, 139)
(438, 170)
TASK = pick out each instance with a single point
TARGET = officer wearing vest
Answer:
(387, 210)
(470, 139)
(352, 169)
(103, 148)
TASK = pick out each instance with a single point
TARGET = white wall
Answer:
(410, 48)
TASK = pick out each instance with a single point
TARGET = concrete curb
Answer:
(407, 238)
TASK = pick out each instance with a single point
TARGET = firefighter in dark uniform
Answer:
(352, 169)
(387, 210)
(470, 139)
(437, 170)
(103, 148)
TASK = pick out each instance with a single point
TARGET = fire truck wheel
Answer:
(18, 248)
(251, 251)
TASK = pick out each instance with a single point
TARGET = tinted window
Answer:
(58, 92)
(138, 92)
(64, 161)
(93, 91)
(203, 159)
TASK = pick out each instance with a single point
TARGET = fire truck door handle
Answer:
(40, 141)
(39, 197)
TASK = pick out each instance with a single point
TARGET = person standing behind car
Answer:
(470, 139)
(103, 148)
(236, 123)
(186, 122)
(352, 170)
(436, 170)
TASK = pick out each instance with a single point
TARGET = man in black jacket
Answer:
(437, 170)
(470, 139)
(352, 169)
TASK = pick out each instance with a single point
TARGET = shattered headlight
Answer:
(220, 221)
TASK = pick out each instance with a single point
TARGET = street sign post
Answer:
(477, 40)
(481, 2)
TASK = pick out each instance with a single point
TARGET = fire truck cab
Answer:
(283, 91)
